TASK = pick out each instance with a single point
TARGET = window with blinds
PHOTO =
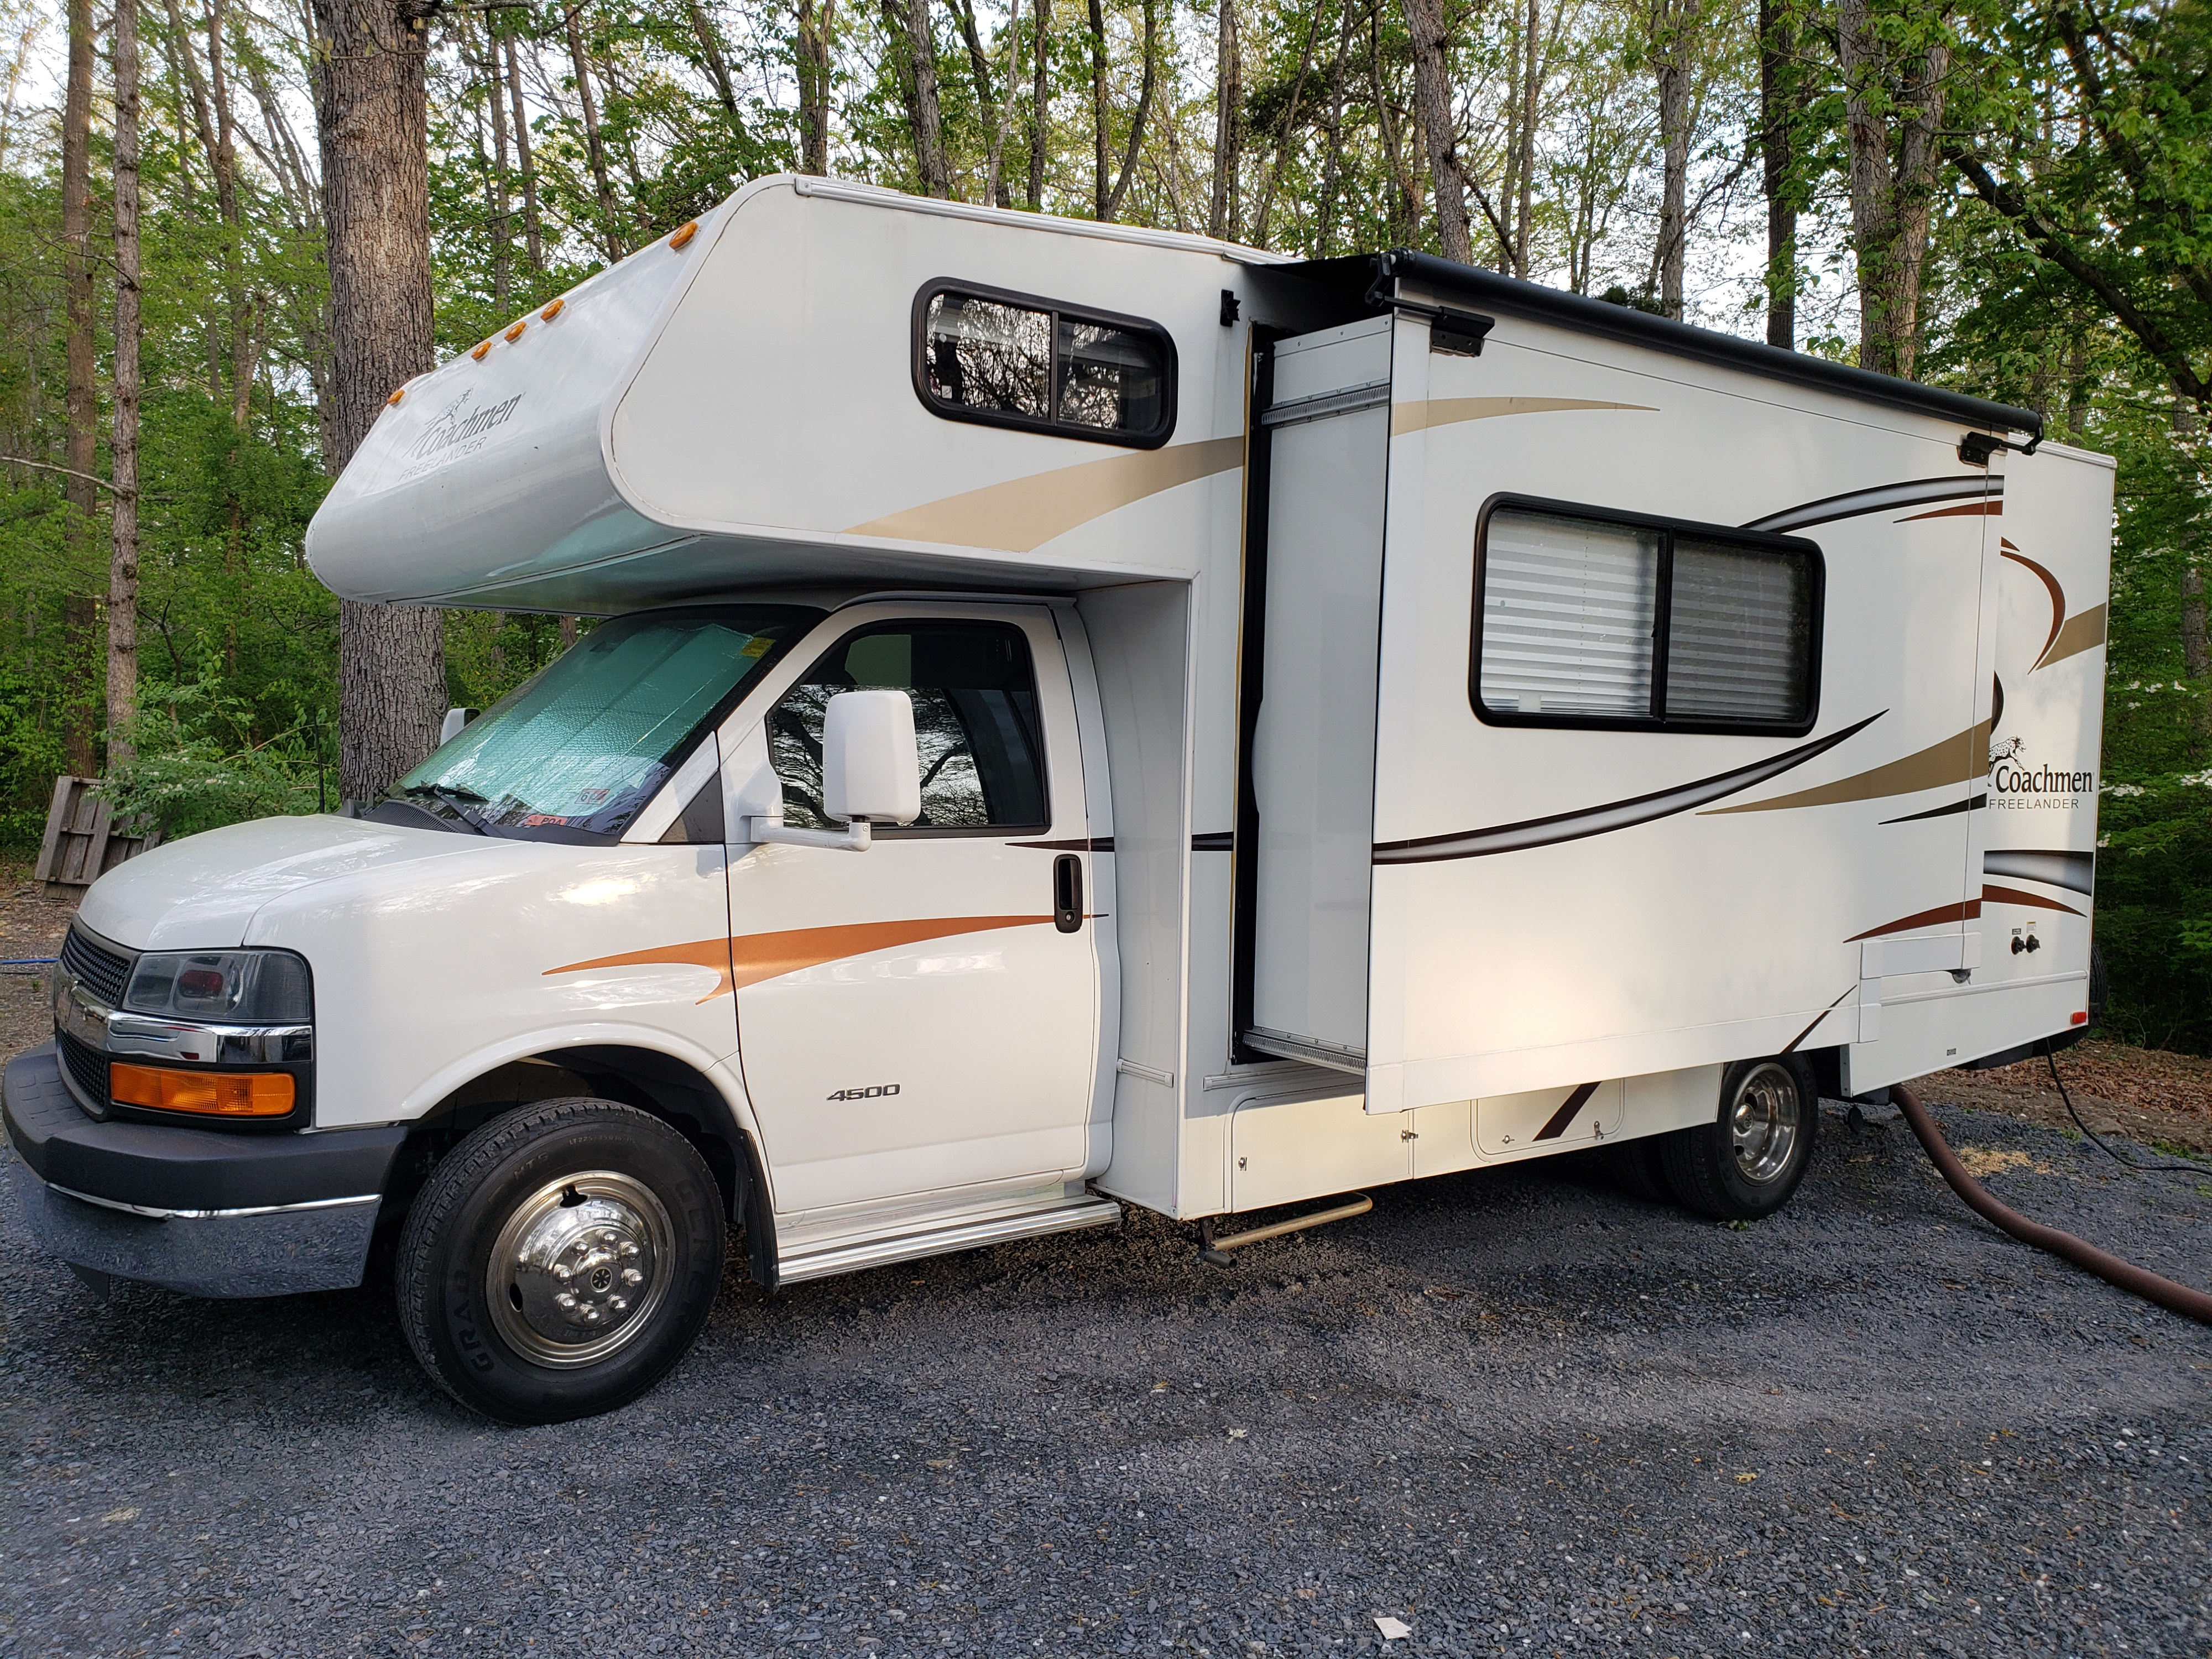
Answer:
(1585, 619)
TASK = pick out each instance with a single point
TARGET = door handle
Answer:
(1067, 893)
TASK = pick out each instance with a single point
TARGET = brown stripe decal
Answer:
(1428, 414)
(1966, 910)
(748, 958)
(1023, 514)
(1971, 510)
(2006, 550)
(2033, 901)
(1910, 492)
(1612, 815)
(1972, 804)
(1080, 844)
(1557, 1124)
(1790, 1048)
(2084, 632)
(1959, 759)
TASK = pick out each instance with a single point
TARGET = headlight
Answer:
(259, 988)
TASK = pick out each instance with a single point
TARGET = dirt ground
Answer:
(31, 926)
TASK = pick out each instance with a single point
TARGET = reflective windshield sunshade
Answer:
(575, 752)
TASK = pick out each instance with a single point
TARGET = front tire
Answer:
(560, 1260)
(1744, 1165)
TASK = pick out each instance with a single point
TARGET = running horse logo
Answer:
(2008, 750)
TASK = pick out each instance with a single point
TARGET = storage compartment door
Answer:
(1312, 752)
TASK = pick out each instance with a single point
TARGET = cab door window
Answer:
(974, 719)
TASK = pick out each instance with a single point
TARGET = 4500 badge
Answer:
(874, 1092)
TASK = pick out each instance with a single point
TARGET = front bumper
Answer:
(199, 1211)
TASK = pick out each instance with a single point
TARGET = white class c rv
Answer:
(1083, 717)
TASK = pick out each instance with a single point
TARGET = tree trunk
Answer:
(80, 407)
(608, 229)
(1040, 103)
(1228, 125)
(1432, 102)
(1332, 174)
(816, 18)
(710, 45)
(373, 120)
(1779, 98)
(533, 234)
(1674, 23)
(502, 226)
(978, 75)
(1285, 133)
(1100, 138)
(1143, 108)
(123, 562)
(1531, 85)
(1892, 180)
(911, 34)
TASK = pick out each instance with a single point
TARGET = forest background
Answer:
(2013, 201)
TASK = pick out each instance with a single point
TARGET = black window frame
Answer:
(1668, 529)
(1058, 311)
(941, 831)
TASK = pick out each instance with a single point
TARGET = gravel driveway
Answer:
(1520, 1414)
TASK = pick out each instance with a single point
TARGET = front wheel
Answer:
(560, 1260)
(1744, 1165)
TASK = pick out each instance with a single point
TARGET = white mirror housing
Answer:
(871, 768)
(455, 722)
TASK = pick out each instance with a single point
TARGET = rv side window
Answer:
(1620, 620)
(1008, 360)
(975, 723)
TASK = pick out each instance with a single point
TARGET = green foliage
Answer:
(199, 765)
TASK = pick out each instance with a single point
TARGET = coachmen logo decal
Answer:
(456, 429)
(2017, 784)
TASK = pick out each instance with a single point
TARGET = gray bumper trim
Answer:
(154, 1213)
(275, 1251)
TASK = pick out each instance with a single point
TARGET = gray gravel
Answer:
(1521, 1413)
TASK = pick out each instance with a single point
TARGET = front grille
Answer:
(87, 1068)
(101, 971)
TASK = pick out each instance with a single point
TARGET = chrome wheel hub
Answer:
(1763, 1123)
(579, 1268)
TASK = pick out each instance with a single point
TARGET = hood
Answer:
(201, 893)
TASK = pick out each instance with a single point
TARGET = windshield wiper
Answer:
(455, 797)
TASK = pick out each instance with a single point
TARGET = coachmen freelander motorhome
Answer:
(1087, 716)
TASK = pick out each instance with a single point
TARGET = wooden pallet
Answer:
(81, 843)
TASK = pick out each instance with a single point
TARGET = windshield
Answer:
(574, 751)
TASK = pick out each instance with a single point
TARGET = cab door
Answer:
(923, 1016)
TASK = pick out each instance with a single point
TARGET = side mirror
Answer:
(871, 773)
(455, 721)
(870, 766)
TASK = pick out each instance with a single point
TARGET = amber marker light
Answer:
(684, 234)
(514, 333)
(477, 355)
(551, 311)
(217, 1094)
(398, 393)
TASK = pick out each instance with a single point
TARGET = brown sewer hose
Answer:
(2140, 1281)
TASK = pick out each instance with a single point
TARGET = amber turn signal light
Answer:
(398, 393)
(478, 353)
(551, 311)
(684, 234)
(515, 333)
(218, 1094)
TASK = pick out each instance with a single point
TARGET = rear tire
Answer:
(560, 1260)
(1744, 1165)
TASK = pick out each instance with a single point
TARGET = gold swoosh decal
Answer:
(748, 958)
(2084, 631)
(1954, 760)
(1425, 414)
(1023, 514)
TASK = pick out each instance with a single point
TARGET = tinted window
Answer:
(975, 720)
(1008, 361)
(1586, 618)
